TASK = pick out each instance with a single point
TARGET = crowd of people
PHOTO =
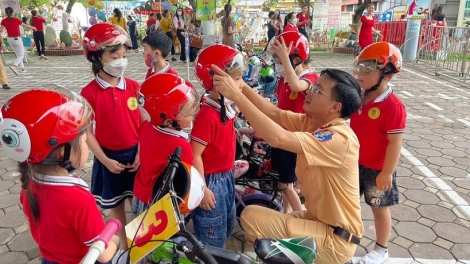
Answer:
(137, 126)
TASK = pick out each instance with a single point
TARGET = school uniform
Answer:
(156, 145)
(167, 69)
(215, 227)
(117, 121)
(69, 220)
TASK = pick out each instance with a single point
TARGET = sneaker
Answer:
(13, 69)
(23, 70)
(120, 257)
(374, 257)
(6, 87)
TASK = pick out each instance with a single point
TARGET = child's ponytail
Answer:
(26, 173)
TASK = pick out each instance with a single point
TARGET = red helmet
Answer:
(383, 53)
(221, 55)
(53, 118)
(102, 35)
(299, 47)
(162, 96)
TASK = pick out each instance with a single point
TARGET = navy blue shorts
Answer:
(215, 227)
(373, 196)
(111, 189)
(284, 163)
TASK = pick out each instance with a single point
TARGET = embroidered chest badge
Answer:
(323, 135)
(374, 113)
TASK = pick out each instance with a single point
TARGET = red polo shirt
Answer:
(156, 145)
(166, 69)
(12, 25)
(372, 124)
(151, 21)
(290, 27)
(218, 138)
(302, 18)
(294, 101)
(116, 112)
(38, 23)
(69, 219)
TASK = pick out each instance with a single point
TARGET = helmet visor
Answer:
(191, 106)
(365, 66)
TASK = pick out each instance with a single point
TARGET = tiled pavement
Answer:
(431, 223)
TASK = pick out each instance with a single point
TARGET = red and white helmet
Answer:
(34, 122)
(299, 47)
(162, 96)
(102, 35)
(221, 55)
(189, 185)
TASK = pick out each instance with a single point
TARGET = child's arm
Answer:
(208, 202)
(112, 165)
(295, 84)
(109, 252)
(384, 179)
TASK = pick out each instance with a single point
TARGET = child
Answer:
(48, 141)
(213, 143)
(114, 101)
(290, 52)
(156, 48)
(379, 125)
(167, 111)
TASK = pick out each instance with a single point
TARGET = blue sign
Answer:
(386, 16)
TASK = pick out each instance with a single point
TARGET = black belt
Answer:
(346, 235)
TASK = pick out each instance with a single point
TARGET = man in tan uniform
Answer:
(327, 163)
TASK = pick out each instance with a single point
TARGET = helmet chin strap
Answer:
(382, 76)
(65, 162)
(223, 111)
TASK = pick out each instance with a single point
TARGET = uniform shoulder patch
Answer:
(323, 135)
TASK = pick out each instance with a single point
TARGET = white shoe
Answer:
(122, 259)
(374, 257)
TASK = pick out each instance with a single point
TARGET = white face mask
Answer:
(280, 70)
(115, 68)
(294, 21)
(179, 13)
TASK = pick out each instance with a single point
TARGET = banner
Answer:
(419, 10)
(205, 10)
(160, 223)
(15, 4)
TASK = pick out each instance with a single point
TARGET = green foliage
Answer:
(65, 38)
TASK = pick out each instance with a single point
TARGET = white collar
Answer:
(64, 181)
(230, 113)
(172, 132)
(384, 95)
(163, 70)
(121, 85)
(301, 75)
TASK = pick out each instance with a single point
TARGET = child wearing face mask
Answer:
(117, 119)
(156, 47)
(290, 52)
(290, 23)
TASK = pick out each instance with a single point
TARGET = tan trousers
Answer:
(260, 221)
(3, 74)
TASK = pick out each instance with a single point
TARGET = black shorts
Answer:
(373, 196)
(284, 163)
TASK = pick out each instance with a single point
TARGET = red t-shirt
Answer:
(156, 145)
(151, 21)
(302, 18)
(294, 101)
(38, 23)
(372, 124)
(219, 138)
(12, 26)
(116, 112)
(69, 220)
(290, 27)
(167, 69)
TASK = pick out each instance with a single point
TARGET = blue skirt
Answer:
(110, 189)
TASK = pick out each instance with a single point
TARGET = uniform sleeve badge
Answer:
(323, 135)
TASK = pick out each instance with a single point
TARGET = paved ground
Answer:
(431, 223)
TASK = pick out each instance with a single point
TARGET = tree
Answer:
(72, 2)
(361, 6)
(34, 3)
